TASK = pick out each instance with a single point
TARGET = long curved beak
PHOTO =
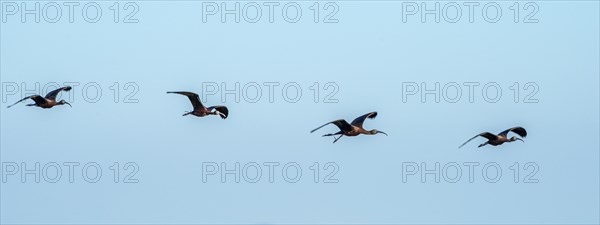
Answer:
(521, 140)
(69, 104)
(382, 133)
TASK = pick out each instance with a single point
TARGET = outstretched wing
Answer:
(39, 100)
(221, 110)
(360, 120)
(487, 135)
(517, 130)
(52, 95)
(194, 98)
(342, 124)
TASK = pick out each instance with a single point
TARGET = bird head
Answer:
(375, 131)
(515, 139)
(63, 102)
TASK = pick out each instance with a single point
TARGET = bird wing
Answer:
(52, 95)
(487, 135)
(360, 120)
(342, 124)
(221, 110)
(517, 130)
(194, 98)
(39, 100)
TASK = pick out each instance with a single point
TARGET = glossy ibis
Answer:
(501, 138)
(199, 109)
(46, 102)
(351, 129)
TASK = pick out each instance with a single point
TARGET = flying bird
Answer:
(46, 102)
(501, 138)
(199, 109)
(351, 129)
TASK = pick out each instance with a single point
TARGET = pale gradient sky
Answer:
(368, 54)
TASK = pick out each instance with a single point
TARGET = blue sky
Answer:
(367, 55)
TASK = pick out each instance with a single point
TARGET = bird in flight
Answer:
(501, 138)
(199, 109)
(46, 102)
(351, 129)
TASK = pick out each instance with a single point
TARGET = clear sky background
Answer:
(368, 54)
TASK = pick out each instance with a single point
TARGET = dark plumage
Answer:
(45, 102)
(199, 109)
(351, 129)
(501, 138)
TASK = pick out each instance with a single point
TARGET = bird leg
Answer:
(481, 145)
(186, 113)
(338, 138)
